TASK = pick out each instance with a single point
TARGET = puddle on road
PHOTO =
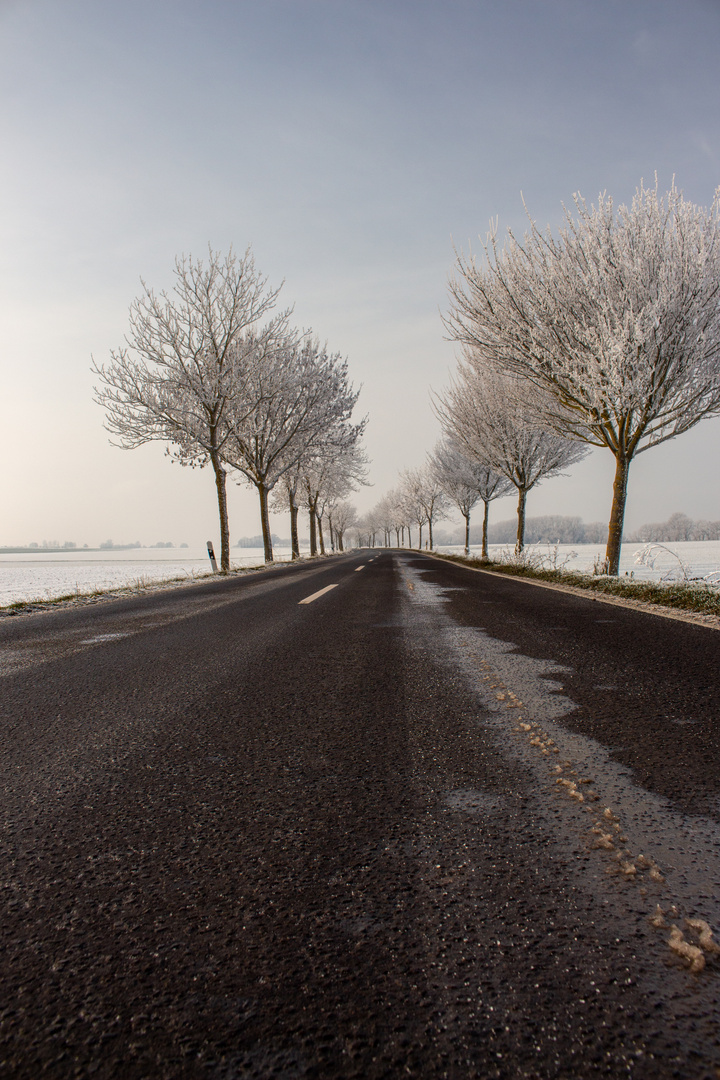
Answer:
(609, 824)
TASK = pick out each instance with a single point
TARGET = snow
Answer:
(700, 557)
(44, 575)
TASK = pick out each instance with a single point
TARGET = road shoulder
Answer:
(711, 622)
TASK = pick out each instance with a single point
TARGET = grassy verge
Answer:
(688, 596)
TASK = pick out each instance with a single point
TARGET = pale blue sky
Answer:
(350, 142)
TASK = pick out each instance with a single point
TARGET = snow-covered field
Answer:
(700, 558)
(44, 574)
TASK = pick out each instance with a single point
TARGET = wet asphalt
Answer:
(435, 823)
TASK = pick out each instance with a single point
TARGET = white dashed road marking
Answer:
(320, 592)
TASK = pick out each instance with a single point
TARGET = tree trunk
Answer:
(522, 497)
(409, 538)
(467, 534)
(339, 538)
(220, 481)
(294, 527)
(486, 515)
(320, 534)
(265, 522)
(313, 532)
(617, 515)
(430, 539)
(420, 539)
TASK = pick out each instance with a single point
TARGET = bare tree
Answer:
(433, 498)
(184, 361)
(489, 417)
(335, 468)
(342, 515)
(414, 499)
(302, 393)
(286, 497)
(394, 510)
(465, 480)
(617, 321)
(398, 521)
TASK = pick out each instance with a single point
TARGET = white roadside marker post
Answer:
(211, 553)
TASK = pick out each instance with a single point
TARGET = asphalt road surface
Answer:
(431, 823)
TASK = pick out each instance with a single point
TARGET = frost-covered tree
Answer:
(335, 468)
(466, 480)
(365, 529)
(434, 499)
(302, 393)
(616, 320)
(385, 514)
(342, 515)
(423, 499)
(185, 361)
(285, 497)
(396, 514)
(489, 416)
(413, 506)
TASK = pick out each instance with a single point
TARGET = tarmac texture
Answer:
(433, 823)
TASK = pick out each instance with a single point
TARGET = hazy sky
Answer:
(351, 142)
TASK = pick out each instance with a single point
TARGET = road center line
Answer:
(320, 592)
(359, 568)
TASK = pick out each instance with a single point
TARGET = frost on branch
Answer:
(492, 418)
(301, 393)
(616, 320)
(466, 480)
(187, 356)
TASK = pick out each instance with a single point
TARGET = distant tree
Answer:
(424, 499)
(413, 503)
(594, 532)
(398, 516)
(335, 468)
(396, 512)
(616, 322)
(365, 530)
(489, 416)
(706, 530)
(301, 393)
(678, 528)
(342, 515)
(285, 496)
(465, 480)
(185, 361)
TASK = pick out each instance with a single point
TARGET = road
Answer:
(431, 823)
